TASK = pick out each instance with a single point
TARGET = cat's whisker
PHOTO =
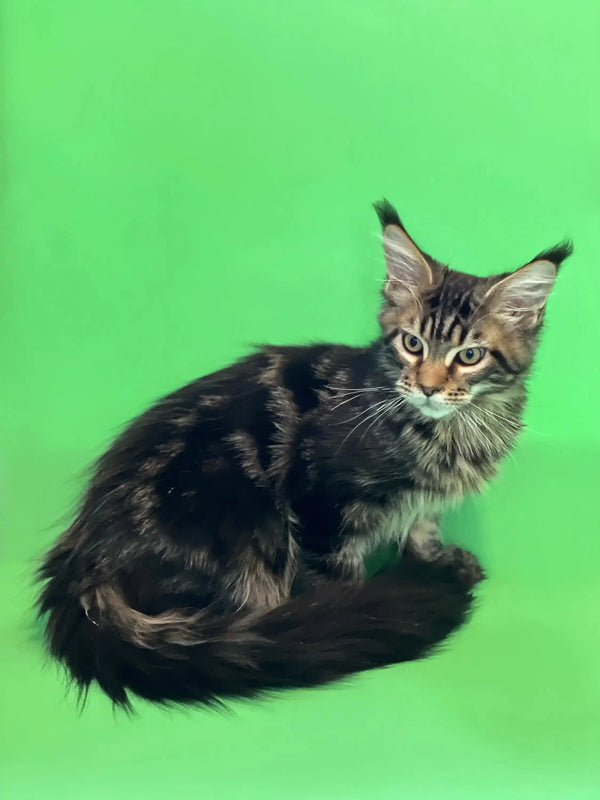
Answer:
(488, 412)
(377, 412)
(485, 434)
(347, 390)
(391, 407)
(468, 432)
(364, 411)
(491, 439)
(344, 402)
(501, 429)
(354, 394)
(348, 400)
(394, 405)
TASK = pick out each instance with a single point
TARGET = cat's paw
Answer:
(465, 563)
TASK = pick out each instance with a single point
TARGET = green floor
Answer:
(181, 179)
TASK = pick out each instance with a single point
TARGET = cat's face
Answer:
(452, 350)
(457, 337)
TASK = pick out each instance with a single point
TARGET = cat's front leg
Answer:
(424, 543)
(343, 564)
(346, 564)
(423, 540)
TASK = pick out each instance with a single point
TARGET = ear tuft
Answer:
(556, 254)
(387, 214)
(408, 272)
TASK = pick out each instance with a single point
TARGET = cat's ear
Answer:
(519, 299)
(408, 272)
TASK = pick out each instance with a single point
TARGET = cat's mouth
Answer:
(432, 407)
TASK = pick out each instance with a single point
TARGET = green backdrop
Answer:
(181, 179)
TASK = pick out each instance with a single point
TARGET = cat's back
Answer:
(215, 445)
(187, 430)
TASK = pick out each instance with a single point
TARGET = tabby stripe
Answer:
(466, 307)
(453, 325)
(503, 362)
(427, 327)
(440, 326)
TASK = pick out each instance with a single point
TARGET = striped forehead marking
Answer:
(447, 317)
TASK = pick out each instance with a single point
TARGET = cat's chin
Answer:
(430, 409)
(436, 413)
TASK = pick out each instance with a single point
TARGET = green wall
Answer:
(182, 179)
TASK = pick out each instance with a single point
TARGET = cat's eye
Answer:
(412, 343)
(470, 356)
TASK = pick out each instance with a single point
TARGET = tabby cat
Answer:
(219, 549)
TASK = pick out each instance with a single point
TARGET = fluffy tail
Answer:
(313, 639)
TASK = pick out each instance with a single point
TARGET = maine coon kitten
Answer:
(219, 548)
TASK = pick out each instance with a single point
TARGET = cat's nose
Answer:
(428, 391)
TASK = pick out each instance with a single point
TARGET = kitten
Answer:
(219, 548)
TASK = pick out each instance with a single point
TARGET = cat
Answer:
(219, 550)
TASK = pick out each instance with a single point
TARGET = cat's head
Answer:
(456, 336)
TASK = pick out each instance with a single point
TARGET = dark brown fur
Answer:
(219, 548)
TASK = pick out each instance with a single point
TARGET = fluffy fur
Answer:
(219, 548)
